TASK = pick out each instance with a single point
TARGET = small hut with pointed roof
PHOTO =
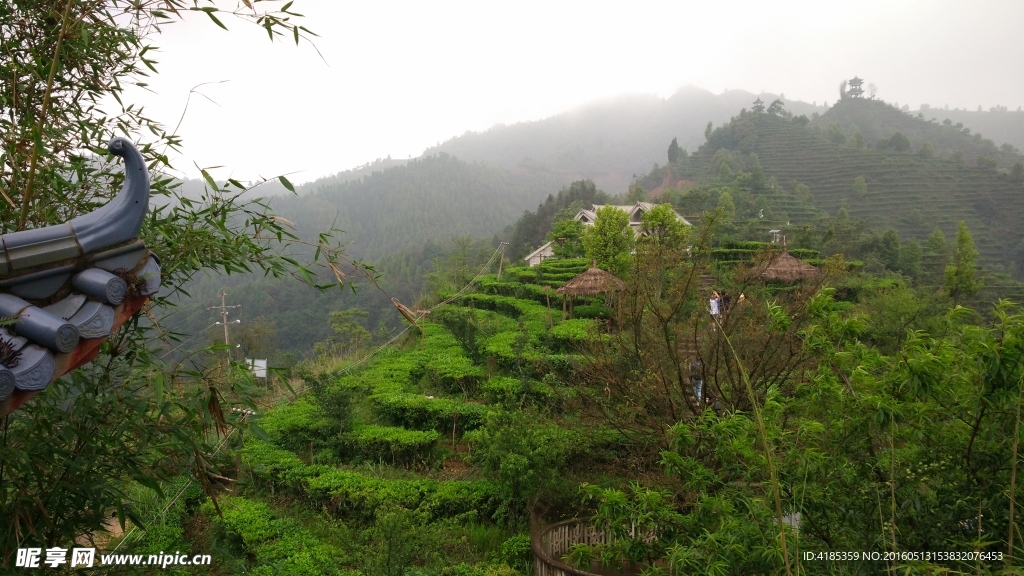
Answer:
(592, 282)
(788, 269)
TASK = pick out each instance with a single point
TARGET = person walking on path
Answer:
(716, 308)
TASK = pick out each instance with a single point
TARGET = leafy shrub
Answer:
(164, 530)
(524, 457)
(576, 330)
(400, 446)
(565, 264)
(520, 290)
(249, 521)
(452, 499)
(593, 311)
(273, 465)
(355, 495)
(507, 305)
(278, 543)
(418, 412)
(509, 392)
(517, 553)
(452, 371)
(503, 345)
(297, 424)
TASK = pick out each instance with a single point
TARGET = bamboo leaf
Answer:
(215, 19)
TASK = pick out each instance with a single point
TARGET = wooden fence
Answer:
(551, 543)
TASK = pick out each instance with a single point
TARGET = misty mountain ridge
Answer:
(402, 213)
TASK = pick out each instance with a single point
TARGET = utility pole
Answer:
(224, 315)
(502, 259)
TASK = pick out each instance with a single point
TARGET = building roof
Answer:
(68, 286)
(543, 247)
(788, 269)
(635, 212)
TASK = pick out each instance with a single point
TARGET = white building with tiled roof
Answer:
(540, 254)
(636, 213)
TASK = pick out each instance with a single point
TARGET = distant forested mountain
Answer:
(608, 141)
(434, 197)
(879, 165)
(999, 124)
(877, 122)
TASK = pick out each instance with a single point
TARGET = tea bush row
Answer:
(349, 494)
(419, 412)
(394, 444)
(278, 546)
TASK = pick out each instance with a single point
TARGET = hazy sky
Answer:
(397, 77)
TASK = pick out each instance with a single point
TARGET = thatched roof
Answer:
(591, 283)
(789, 269)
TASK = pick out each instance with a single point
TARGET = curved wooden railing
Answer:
(550, 543)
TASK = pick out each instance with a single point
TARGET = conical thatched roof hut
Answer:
(591, 283)
(788, 269)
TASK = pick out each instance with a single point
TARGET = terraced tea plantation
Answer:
(909, 191)
(420, 460)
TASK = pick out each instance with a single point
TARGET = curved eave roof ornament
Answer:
(67, 287)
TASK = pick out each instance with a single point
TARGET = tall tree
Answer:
(899, 142)
(860, 187)
(673, 151)
(961, 277)
(661, 225)
(609, 240)
(936, 257)
(636, 193)
(567, 235)
(889, 249)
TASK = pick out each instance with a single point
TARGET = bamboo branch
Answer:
(26, 200)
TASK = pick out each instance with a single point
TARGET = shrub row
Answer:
(280, 546)
(576, 265)
(743, 254)
(399, 445)
(511, 392)
(394, 369)
(532, 318)
(296, 424)
(577, 330)
(451, 370)
(352, 495)
(418, 412)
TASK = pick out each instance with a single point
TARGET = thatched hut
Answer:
(592, 282)
(788, 269)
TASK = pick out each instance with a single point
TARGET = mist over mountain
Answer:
(607, 141)
(402, 214)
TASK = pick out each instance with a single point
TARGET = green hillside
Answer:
(999, 124)
(430, 198)
(878, 121)
(907, 191)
